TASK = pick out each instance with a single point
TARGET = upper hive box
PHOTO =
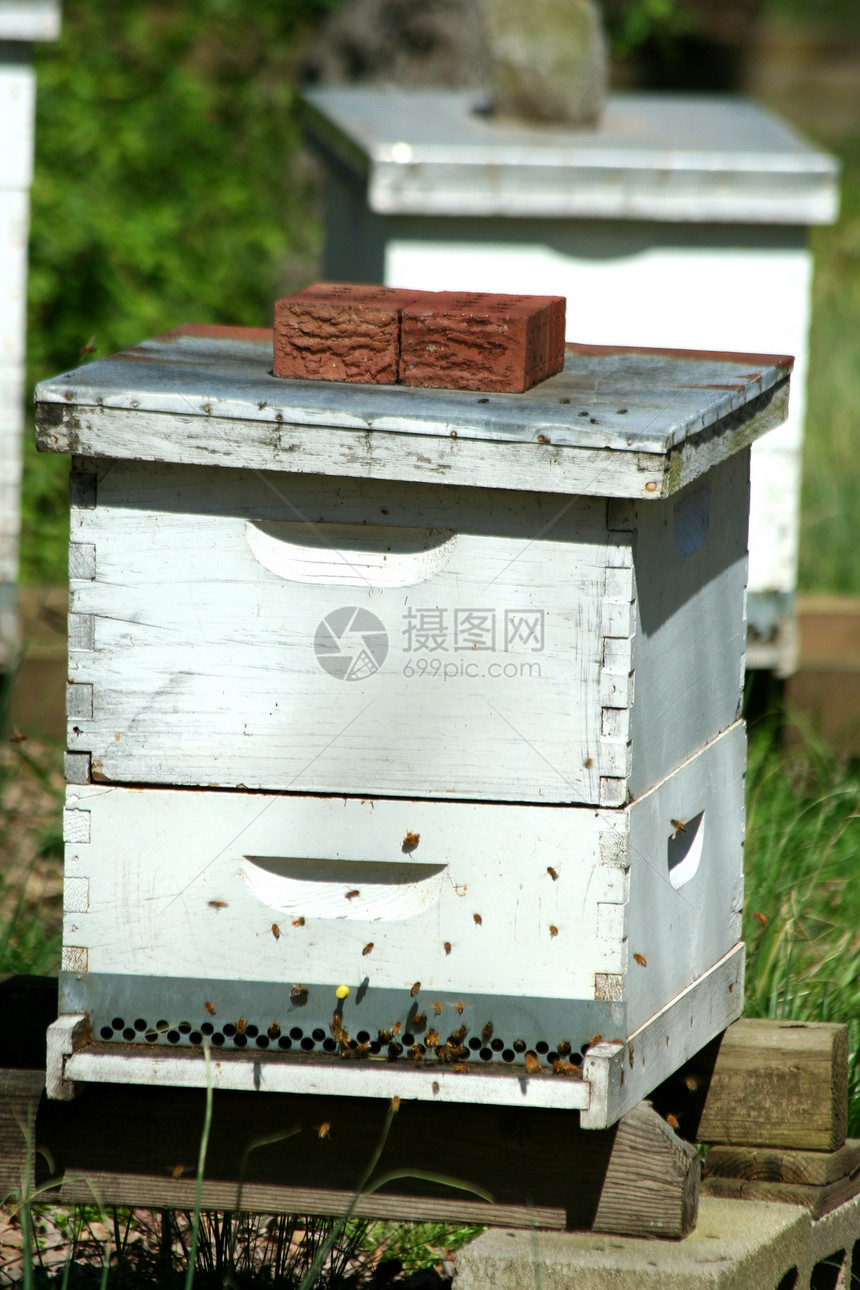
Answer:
(381, 590)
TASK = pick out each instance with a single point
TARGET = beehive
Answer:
(20, 25)
(680, 220)
(427, 694)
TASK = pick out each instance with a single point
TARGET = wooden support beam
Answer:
(765, 1084)
(818, 1180)
(138, 1146)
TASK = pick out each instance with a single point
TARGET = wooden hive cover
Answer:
(615, 423)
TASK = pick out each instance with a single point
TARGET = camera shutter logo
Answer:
(351, 643)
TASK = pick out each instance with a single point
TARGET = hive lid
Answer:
(654, 156)
(29, 19)
(616, 422)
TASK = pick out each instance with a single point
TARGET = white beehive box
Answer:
(680, 221)
(386, 687)
(21, 21)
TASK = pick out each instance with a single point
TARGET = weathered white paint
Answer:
(155, 859)
(29, 19)
(664, 157)
(616, 1076)
(614, 423)
(203, 664)
(63, 1035)
(620, 1076)
(20, 20)
(349, 555)
(17, 102)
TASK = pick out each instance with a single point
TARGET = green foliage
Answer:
(829, 552)
(165, 186)
(803, 832)
(631, 24)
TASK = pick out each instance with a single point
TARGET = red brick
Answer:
(467, 341)
(336, 331)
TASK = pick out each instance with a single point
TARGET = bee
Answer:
(396, 1028)
(431, 1039)
(761, 918)
(552, 873)
(411, 839)
(460, 1034)
(460, 1070)
(435, 1086)
(351, 895)
(395, 1105)
(478, 920)
(416, 1052)
(323, 1129)
(461, 1008)
(276, 931)
(210, 1008)
(299, 922)
(679, 826)
(447, 947)
(672, 1120)
(564, 1048)
(367, 949)
(17, 737)
(416, 987)
(641, 960)
(90, 347)
(336, 1026)
(240, 1026)
(437, 1008)
(363, 1050)
(595, 1039)
(177, 1171)
(553, 930)
(419, 1021)
(588, 763)
(487, 1032)
(217, 904)
(384, 1036)
(274, 1030)
(299, 992)
(532, 1063)
(444, 1052)
(692, 1082)
(560, 1067)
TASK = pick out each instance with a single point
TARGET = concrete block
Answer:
(737, 1245)
(835, 1248)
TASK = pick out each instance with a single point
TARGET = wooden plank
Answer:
(20, 1094)
(818, 1200)
(192, 399)
(766, 1164)
(779, 1084)
(140, 1146)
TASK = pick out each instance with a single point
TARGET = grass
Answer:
(829, 552)
(802, 905)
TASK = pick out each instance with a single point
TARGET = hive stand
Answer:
(139, 1146)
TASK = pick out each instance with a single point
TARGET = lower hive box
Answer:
(548, 956)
